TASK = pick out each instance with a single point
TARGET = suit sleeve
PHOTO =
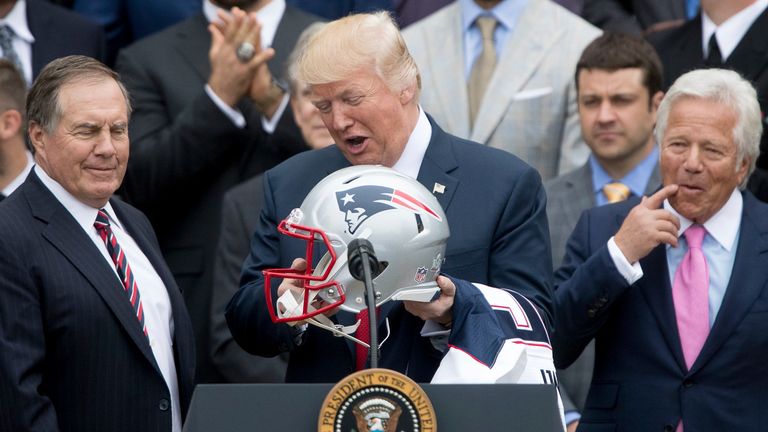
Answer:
(573, 150)
(22, 347)
(586, 286)
(235, 364)
(169, 151)
(520, 253)
(610, 15)
(247, 314)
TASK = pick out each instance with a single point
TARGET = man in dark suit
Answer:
(638, 16)
(667, 285)
(499, 230)
(197, 132)
(731, 35)
(94, 335)
(43, 32)
(618, 80)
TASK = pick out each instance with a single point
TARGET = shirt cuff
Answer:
(235, 115)
(269, 125)
(630, 272)
(433, 328)
(572, 416)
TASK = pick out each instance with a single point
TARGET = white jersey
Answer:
(502, 340)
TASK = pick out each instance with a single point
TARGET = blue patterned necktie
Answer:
(6, 44)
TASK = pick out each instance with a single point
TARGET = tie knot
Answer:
(102, 220)
(616, 192)
(694, 235)
(486, 24)
(6, 32)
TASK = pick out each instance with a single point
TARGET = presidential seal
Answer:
(377, 400)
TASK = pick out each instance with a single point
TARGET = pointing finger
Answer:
(655, 200)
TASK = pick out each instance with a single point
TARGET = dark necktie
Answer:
(714, 58)
(2, 197)
(6, 44)
(121, 264)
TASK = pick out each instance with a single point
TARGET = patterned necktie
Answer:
(690, 293)
(715, 58)
(616, 192)
(121, 264)
(482, 70)
(6, 44)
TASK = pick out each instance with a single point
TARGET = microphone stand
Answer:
(361, 258)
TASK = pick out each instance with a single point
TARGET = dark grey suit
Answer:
(72, 353)
(185, 153)
(239, 217)
(567, 197)
(632, 16)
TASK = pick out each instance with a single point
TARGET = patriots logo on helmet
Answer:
(360, 203)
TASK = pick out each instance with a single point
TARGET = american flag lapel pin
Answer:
(438, 188)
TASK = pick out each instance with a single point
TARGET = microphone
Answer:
(363, 266)
(358, 250)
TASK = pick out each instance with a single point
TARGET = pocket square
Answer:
(532, 93)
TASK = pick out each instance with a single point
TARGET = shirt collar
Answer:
(413, 153)
(269, 16)
(723, 226)
(17, 21)
(15, 183)
(636, 179)
(730, 32)
(84, 214)
(506, 12)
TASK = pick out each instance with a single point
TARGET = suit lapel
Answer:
(520, 58)
(449, 80)
(657, 291)
(745, 285)
(193, 43)
(439, 161)
(67, 236)
(579, 195)
(750, 57)
(654, 182)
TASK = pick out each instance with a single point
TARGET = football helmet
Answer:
(402, 220)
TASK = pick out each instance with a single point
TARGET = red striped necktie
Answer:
(121, 264)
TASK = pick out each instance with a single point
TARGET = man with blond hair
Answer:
(366, 86)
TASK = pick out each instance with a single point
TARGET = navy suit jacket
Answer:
(59, 32)
(640, 380)
(72, 353)
(495, 206)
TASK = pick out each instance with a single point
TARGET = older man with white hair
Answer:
(670, 285)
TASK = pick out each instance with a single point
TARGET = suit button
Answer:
(164, 405)
(591, 312)
(669, 428)
(687, 383)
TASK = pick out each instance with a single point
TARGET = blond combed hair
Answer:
(354, 43)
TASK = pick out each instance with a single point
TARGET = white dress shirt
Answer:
(158, 316)
(732, 30)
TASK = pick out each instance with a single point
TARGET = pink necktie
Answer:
(690, 292)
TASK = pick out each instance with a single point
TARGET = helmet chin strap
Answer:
(288, 307)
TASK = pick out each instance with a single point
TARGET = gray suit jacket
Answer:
(530, 106)
(239, 218)
(568, 196)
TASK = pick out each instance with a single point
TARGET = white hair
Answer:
(728, 88)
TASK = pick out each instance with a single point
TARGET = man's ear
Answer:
(10, 123)
(36, 137)
(407, 94)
